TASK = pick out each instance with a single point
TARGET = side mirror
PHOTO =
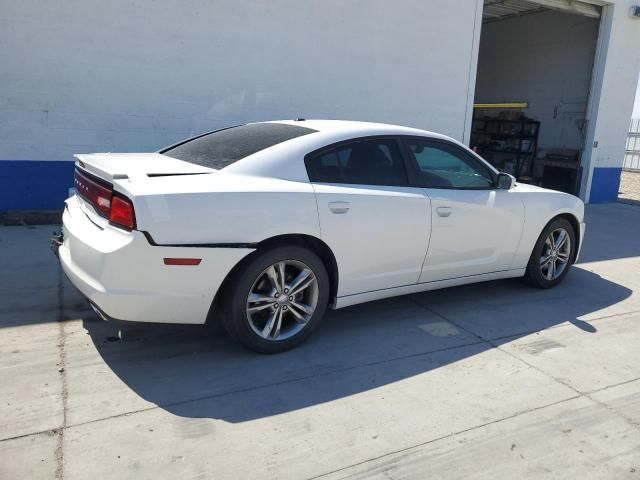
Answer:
(506, 181)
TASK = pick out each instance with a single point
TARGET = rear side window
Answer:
(366, 162)
(222, 148)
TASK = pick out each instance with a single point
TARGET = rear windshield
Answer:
(224, 147)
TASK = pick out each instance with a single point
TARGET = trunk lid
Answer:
(100, 177)
(132, 166)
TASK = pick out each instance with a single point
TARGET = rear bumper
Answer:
(125, 277)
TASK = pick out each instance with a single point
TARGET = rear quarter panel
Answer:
(222, 208)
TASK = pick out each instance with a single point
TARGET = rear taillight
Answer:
(121, 214)
(114, 206)
(98, 194)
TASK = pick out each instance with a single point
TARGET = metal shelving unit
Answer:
(501, 141)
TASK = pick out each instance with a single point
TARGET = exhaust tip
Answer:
(99, 312)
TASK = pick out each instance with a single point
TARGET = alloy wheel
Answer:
(556, 253)
(282, 300)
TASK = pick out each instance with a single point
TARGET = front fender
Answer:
(540, 207)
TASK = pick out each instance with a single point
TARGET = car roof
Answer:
(285, 160)
(353, 128)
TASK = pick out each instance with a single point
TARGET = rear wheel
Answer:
(552, 255)
(276, 301)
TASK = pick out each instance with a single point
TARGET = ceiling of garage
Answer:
(503, 9)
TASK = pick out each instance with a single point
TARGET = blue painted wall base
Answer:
(34, 184)
(605, 184)
(44, 185)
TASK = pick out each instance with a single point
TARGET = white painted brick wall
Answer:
(131, 75)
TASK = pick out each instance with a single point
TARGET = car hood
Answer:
(526, 188)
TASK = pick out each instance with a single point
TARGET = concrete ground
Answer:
(494, 380)
(629, 191)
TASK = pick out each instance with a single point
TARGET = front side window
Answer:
(366, 162)
(441, 165)
(222, 148)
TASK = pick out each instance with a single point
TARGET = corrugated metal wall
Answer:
(632, 156)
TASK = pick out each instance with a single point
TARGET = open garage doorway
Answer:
(533, 83)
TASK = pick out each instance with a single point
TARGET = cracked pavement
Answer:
(492, 380)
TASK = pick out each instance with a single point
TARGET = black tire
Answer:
(534, 274)
(236, 320)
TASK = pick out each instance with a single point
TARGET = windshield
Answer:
(221, 148)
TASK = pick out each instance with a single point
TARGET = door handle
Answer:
(339, 207)
(443, 211)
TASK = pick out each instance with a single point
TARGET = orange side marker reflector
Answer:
(182, 261)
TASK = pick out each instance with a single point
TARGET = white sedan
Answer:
(263, 226)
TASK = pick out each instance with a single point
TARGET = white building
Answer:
(636, 105)
(132, 75)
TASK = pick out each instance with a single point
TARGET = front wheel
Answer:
(277, 299)
(552, 255)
